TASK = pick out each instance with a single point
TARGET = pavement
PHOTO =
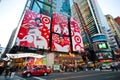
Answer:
(2, 77)
(15, 78)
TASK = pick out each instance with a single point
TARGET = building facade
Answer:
(114, 27)
(46, 30)
(94, 24)
(112, 40)
(117, 19)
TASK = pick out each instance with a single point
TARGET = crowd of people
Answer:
(8, 70)
(112, 66)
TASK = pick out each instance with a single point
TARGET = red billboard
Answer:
(77, 42)
(61, 30)
(60, 24)
(60, 33)
(34, 31)
(60, 43)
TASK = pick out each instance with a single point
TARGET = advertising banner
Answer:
(34, 31)
(104, 55)
(77, 42)
(60, 43)
(61, 36)
(60, 33)
(60, 24)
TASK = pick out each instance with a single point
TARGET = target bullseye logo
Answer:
(77, 39)
(46, 20)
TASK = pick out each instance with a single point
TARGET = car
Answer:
(36, 72)
(106, 66)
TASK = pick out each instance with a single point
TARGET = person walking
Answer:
(7, 71)
(1, 70)
(100, 66)
(12, 72)
(116, 66)
(2, 67)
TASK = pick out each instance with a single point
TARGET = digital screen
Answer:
(104, 55)
(102, 45)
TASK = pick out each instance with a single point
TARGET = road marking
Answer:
(39, 78)
(109, 77)
(81, 76)
(20, 78)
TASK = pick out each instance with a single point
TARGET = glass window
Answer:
(41, 7)
(35, 8)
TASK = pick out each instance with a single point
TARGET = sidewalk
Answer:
(104, 70)
(15, 78)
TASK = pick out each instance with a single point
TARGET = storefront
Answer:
(22, 60)
(68, 61)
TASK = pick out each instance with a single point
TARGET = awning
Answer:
(22, 55)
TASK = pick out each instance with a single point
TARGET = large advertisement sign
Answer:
(61, 36)
(60, 24)
(104, 55)
(60, 43)
(60, 33)
(77, 42)
(34, 31)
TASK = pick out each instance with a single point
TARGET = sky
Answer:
(110, 7)
(11, 11)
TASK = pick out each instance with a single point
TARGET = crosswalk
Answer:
(15, 78)
(39, 78)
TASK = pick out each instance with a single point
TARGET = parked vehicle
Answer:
(106, 67)
(36, 72)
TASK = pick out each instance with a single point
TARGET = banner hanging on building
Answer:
(77, 42)
(60, 33)
(34, 31)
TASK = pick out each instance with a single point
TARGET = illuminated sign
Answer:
(99, 38)
(109, 60)
(104, 55)
(102, 45)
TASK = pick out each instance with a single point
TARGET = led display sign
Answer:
(102, 45)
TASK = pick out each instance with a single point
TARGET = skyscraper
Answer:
(62, 6)
(117, 19)
(94, 24)
(114, 28)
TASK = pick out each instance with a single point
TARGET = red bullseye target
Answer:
(77, 39)
(46, 20)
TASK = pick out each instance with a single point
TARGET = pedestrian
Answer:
(100, 66)
(7, 71)
(112, 66)
(116, 66)
(2, 66)
(12, 72)
(1, 70)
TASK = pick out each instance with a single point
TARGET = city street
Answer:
(59, 40)
(83, 75)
